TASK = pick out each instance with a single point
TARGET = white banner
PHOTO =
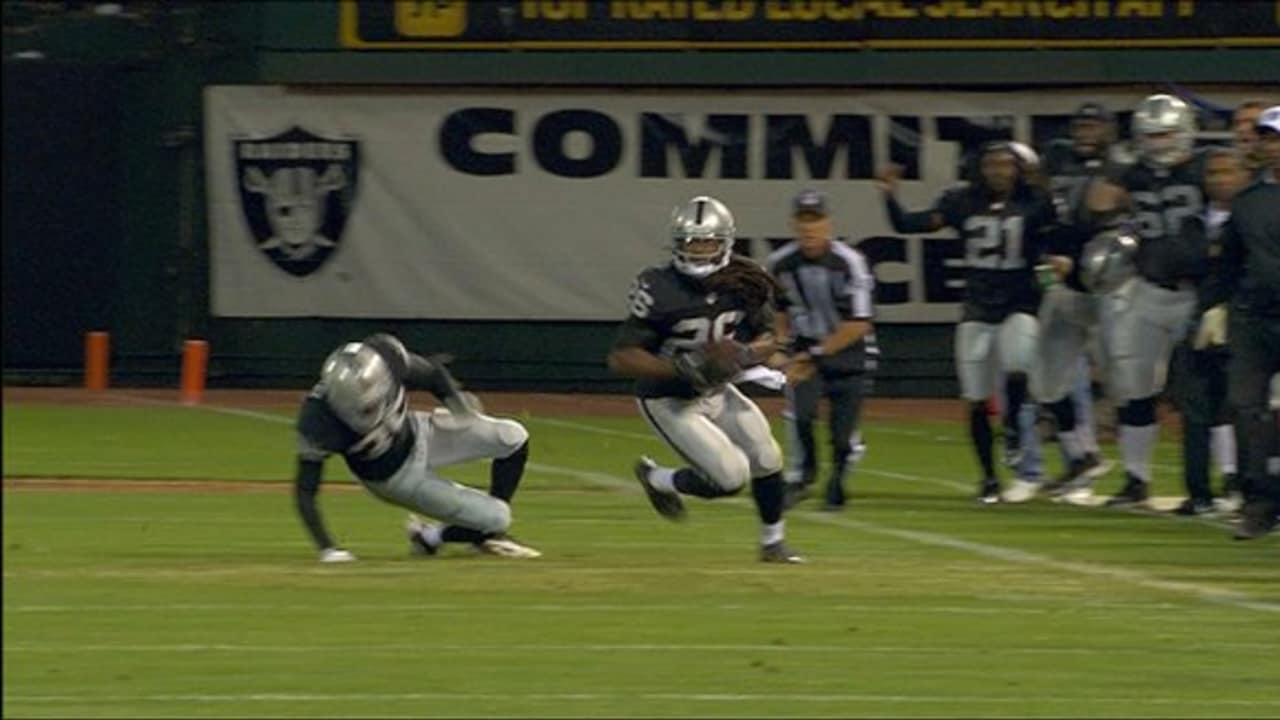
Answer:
(413, 203)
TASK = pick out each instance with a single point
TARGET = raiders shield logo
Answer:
(296, 192)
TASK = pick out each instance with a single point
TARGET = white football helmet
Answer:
(1108, 261)
(1173, 121)
(359, 387)
(702, 218)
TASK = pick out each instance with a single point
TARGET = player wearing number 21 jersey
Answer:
(1005, 224)
(704, 296)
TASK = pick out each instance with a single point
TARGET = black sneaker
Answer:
(1134, 492)
(989, 491)
(779, 553)
(668, 505)
(1194, 506)
(1258, 518)
(1076, 474)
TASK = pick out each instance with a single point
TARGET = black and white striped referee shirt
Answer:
(823, 293)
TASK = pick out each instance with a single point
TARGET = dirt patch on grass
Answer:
(63, 484)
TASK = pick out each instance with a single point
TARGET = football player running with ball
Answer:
(694, 323)
(360, 409)
(1004, 222)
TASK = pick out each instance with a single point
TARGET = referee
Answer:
(826, 309)
(1245, 286)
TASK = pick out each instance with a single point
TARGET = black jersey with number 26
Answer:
(671, 313)
(1002, 241)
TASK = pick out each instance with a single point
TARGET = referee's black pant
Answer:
(1198, 379)
(1254, 341)
(844, 393)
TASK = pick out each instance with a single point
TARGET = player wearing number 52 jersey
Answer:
(1005, 224)
(360, 410)
(1143, 318)
(704, 298)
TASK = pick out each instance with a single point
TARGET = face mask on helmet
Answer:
(702, 234)
(358, 386)
(1164, 127)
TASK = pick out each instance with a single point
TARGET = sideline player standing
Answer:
(1004, 222)
(1198, 374)
(1069, 314)
(1248, 276)
(827, 311)
(1146, 316)
(360, 409)
(695, 323)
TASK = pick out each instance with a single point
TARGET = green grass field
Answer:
(916, 602)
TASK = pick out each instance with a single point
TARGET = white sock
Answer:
(770, 534)
(1136, 442)
(663, 479)
(431, 535)
(1070, 442)
(1223, 440)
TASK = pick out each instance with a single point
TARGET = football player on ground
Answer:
(360, 409)
(694, 324)
(1146, 316)
(1004, 222)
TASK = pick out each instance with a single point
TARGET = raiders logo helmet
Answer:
(358, 386)
(1164, 128)
(1108, 261)
(698, 221)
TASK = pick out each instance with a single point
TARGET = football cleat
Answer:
(1257, 518)
(779, 553)
(989, 491)
(418, 544)
(1134, 492)
(1021, 491)
(1096, 466)
(1191, 507)
(668, 505)
(507, 547)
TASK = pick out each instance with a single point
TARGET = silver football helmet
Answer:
(358, 386)
(702, 218)
(1108, 261)
(1164, 128)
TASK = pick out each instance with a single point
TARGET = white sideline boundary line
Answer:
(929, 650)
(682, 697)
(1207, 593)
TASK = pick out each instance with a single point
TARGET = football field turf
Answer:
(203, 599)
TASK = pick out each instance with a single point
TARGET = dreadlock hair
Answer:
(748, 279)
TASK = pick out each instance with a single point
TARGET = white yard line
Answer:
(540, 648)
(286, 697)
(1207, 593)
